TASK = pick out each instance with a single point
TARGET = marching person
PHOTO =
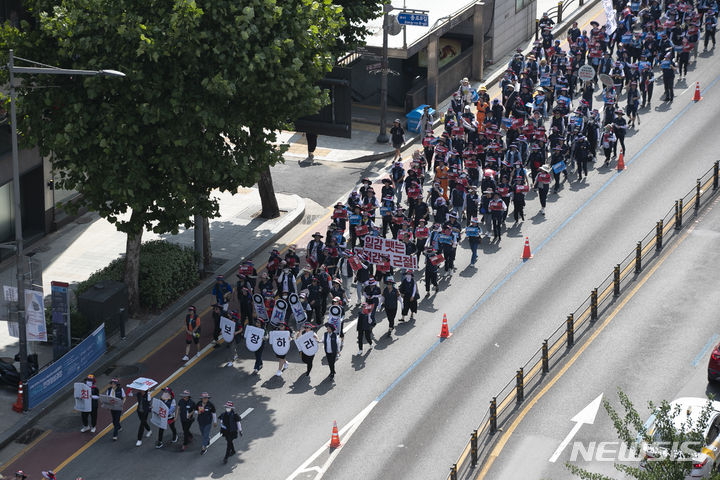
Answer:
(168, 398)
(230, 428)
(234, 346)
(221, 293)
(192, 332)
(431, 271)
(259, 323)
(207, 418)
(390, 296)
(398, 138)
(365, 325)
(186, 411)
(282, 363)
(473, 236)
(542, 185)
(332, 347)
(116, 391)
(94, 400)
(307, 359)
(143, 410)
(409, 291)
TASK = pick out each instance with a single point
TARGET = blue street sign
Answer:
(419, 19)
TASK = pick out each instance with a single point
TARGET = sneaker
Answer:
(360, 351)
(148, 434)
(279, 373)
(285, 366)
(115, 438)
(138, 443)
(542, 211)
(185, 358)
(255, 371)
(159, 445)
(120, 429)
(175, 439)
(203, 451)
(92, 430)
(84, 429)
(229, 364)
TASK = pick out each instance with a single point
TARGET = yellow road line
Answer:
(507, 433)
(27, 448)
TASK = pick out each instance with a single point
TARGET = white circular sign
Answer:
(586, 73)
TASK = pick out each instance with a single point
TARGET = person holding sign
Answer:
(254, 336)
(94, 399)
(307, 342)
(230, 427)
(116, 391)
(232, 336)
(192, 331)
(143, 410)
(206, 419)
(280, 341)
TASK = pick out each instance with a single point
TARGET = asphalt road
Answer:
(420, 398)
(656, 348)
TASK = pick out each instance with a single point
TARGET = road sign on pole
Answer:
(418, 19)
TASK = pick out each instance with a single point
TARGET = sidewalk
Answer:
(363, 146)
(89, 243)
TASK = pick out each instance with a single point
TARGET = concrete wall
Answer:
(511, 28)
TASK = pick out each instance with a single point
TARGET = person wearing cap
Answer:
(542, 185)
(115, 390)
(207, 417)
(307, 359)
(315, 251)
(144, 402)
(581, 152)
(410, 295)
(372, 295)
(397, 177)
(633, 101)
(258, 322)
(168, 398)
(233, 347)
(619, 125)
(282, 362)
(365, 325)
(710, 25)
(668, 68)
(314, 297)
(608, 142)
(216, 314)
(337, 291)
(426, 121)
(221, 292)
(557, 160)
(186, 412)
(497, 211)
(20, 475)
(292, 259)
(331, 345)
(397, 136)
(192, 332)
(230, 428)
(48, 474)
(390, 298)
(245, 302)
(89, 419)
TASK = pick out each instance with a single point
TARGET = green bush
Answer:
(167, 270)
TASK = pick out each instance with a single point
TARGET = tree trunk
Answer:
(207, 251)
(270, 207)
(132, 270)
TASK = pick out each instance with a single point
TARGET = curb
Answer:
(137, 336)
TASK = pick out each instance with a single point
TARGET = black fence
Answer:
(557, 345)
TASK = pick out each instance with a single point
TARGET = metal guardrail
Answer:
(557, 13)
(578, 323)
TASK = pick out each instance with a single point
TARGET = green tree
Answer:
(671, 426)
(208, 82)
(356, 14)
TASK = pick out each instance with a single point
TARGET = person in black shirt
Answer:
(398, 137)
(230, 428)
(206, 419)
(186, 413)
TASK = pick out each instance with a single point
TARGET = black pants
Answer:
(229, 448)
(331, 357)
(647, 93)
(518, 209)
(668, 84)
(368, 337)
(391, 313)
(449, 254)
(187, 436)
(311, 141)
(161, 432)
(709, 35)
(431, 278)
(543, 193)
(308, 361)
(92, 416)
(143, 424)
(409, 305)
(497, 225)
(581, 167)
(116, 414)
(621, 141)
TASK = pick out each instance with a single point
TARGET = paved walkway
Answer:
(363, 145)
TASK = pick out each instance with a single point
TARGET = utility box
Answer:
(106, 302)
(413, 118)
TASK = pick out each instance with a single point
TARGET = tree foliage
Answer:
(207, 83)
(356, 13)
(634, 433)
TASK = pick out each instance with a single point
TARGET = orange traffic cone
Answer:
(697, 96)
(18, 405)
(621, 162)
(526, 251)
(444, 331)
(335, 439)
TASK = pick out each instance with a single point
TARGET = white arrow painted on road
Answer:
(586, 415)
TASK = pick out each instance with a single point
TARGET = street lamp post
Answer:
(19, 260)
(383, 137)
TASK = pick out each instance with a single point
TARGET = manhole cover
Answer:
(122, 370)
(28, 436)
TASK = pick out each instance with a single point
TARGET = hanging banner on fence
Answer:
(227, 327)
(254, 338)
(59, 374)
(335, 317)
(260, 307)
(280, 340)
(377, 247)
(111, 402)
(159, 416)
(278, 312)
(35, 316)
(83, 402)
(307, 344)
(297, 308)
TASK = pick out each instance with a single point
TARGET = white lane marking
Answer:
(345, 433)
(217, 436)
